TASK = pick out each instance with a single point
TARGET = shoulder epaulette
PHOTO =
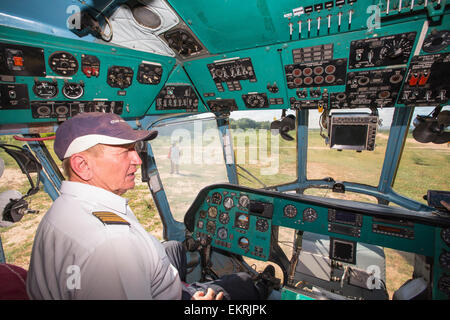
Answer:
(110, 218)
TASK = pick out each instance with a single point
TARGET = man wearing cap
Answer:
(89, 245)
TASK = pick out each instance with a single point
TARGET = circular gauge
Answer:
(61, 110)
(243, 243)
(444, 260)
(216, 198)
(436, 41)
(444, 285)
(45, 89)
(290, 211)
(63, 64)
(395, 50)
(309, 215)
(200, 224)
(212, 212)
(43, 111)
(73, 90)
(224, 218)
(445, 235)
(228, 203)
(330, 69)
(202, 214)
(244, 201)
(262, 225)
(211, 227)
(222, 233)
(242, 221)
(255, 101)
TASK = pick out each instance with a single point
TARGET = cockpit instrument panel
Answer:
(246, 228)
(236, 222)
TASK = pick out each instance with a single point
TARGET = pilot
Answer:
(89, 245)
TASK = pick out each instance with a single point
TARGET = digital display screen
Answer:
(350, 135)
(389, 229)
(343, 250)
(342, 216)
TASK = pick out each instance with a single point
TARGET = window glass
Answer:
(347, 165)
(189, 156)
(264, 158)
(423, 166)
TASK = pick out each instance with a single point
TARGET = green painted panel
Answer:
(264, 22)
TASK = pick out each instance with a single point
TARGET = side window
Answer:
(424, 166)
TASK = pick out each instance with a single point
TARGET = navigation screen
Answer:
(352, 135)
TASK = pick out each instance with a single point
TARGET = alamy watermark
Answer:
(74, 20)
(374, 279)
(374, 20)
(73, 281)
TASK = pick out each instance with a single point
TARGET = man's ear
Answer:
(80, 166)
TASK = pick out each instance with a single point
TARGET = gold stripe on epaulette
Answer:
(110, 218)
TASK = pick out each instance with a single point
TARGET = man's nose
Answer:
(136, 160)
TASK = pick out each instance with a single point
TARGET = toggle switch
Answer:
(423, 78)
(339, 20)
(309, 26)
(329, 23)
(414, 79)
(290, 30)
(299, 29)
(318, 25)
(350, 13)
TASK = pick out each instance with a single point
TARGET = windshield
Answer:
(189, 156)
(346, 165)
(264, 157)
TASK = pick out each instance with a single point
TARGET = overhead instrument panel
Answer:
(427, 80)
(374, 88)
(51, 78)
(177, 97)
(381, 51)
(230, 73)
(316, 74)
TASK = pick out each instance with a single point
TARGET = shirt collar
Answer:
(98, 195)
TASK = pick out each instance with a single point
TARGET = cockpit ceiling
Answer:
(264, 22)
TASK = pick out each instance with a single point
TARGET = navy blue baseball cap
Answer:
(86, 130)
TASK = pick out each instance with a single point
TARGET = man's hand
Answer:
(210, 295)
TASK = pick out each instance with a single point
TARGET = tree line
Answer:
(246, 123)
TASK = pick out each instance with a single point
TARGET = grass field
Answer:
(422, 168)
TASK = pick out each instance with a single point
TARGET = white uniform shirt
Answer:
(77, 256)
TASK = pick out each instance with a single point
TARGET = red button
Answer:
(18, 61)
